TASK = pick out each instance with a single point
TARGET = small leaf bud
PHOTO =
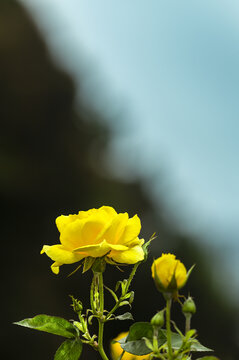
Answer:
(131, 299)
(189, 306)
(76, 304)
(158, 319)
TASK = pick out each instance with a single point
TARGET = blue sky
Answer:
(173, 69)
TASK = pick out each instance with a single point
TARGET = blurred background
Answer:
(131, 105)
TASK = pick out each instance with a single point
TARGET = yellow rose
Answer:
(95, 233)
(169, 273)
(116, 350)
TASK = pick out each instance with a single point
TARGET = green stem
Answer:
(100, 341)
(113, 309)
(168, 328)
(131, 276)
(101, 320)
(101, 291)
(92, 287)
(187, 322)
(126, 290)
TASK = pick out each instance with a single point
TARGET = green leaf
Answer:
(125, 316)
(134, 342)
(176, 340)
(69, 350)
(196, 346)
(137, 347)
(124, 303)
(208, 358)
(139, 330)
(118, 285)
(51, 324)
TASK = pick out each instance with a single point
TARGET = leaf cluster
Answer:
(140, 341)
(71, 348)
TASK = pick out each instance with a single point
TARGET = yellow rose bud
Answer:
(116, 350)
(169, 273)
(96, 233)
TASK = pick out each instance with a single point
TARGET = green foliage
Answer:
(134, 342)
(208, 358)
(141, 335)
(146, 245)
(125, 316)
(69, 350)
(50, 324)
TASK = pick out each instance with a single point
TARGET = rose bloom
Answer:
(168, 273)
(95, 233)
(116, 350)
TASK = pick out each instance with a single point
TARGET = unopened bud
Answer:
(131, 299)
(76, 304)
(158, 319)
(189, 306)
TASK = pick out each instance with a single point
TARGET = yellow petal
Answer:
(55, 268)
(136, 241)
(61, 255)
(109, 210)
(83, 232)
(97, 250)
(106, 211)
(166, 266)
(116, 228)
(118, 247)
(62, 221)
(180, 274)
(131, 256)
(131, 231)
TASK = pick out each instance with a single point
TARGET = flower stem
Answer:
(131, 276)
(100, 341)
(187, 322)
(126, 290)
(92, 289)
(101, 319)
(168, 328)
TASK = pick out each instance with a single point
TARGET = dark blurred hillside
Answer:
(46, 150)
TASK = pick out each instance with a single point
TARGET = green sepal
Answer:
(146, 245)
(99, 265)
(89, 261)
(125, 316)
(111, 261)
(74, 271)
(69, 350)
(188, 274)
(50, 324)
